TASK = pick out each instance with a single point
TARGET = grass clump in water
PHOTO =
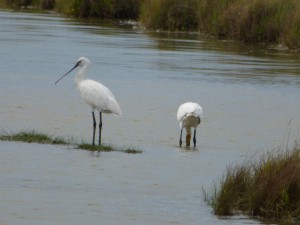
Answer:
(89, 147)
(132, 150)
(33, 136)
(269, 188)
(107, 148)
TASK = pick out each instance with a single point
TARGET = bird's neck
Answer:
(81, 74)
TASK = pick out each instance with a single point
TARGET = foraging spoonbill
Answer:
(189, 115)
(98, 96)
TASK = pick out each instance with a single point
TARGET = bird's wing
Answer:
(198, 111)
(181, 113)
(99, 97)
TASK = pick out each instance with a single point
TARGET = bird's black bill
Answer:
(77, 64)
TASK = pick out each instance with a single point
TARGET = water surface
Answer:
(250, 96)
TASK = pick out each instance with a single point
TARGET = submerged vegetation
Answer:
(108, 148)
(32, 136)
(250, 21)
(269, 188)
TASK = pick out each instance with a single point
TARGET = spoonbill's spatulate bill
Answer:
(98, 96)
(189, 115)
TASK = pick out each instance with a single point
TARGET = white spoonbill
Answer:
(189, 115)
(95, 94)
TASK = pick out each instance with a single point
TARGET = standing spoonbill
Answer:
(189, 115)
(95, 94)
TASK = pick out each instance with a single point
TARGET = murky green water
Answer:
(250, 97)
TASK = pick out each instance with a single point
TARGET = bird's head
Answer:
(81, 62)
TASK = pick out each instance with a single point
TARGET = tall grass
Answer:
(291, 31)
(250, 21)
(108, 9)
(170, 14)
(43, 4)
(254, 21)
(269, 188)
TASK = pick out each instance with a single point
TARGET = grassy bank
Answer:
(108, 9)
(250, 21)
(269, 188)
(33, 136)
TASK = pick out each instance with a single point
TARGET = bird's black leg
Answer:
(194, 138)
(180, 139)
(94, 128)
(100, 127)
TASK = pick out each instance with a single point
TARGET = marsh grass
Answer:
(249, 21)
(108, 148)
(33, 136)
(174, 15)
(28, 4)
(269, 188)
(108, 9)
(89, 147)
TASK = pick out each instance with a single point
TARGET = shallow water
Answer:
(250, 96)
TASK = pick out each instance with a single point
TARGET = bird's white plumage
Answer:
(99, 97)
(189, 115)
(187, 110)
(95, 94)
